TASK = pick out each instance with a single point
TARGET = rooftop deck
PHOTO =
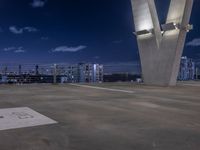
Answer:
(118, 116)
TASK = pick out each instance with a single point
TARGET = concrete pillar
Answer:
(161, 48)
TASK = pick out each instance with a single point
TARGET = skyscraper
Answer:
(187, 69)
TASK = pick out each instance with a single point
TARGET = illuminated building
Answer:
(90, 73)
(187, 69)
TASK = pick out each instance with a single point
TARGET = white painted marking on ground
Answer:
(102, 88)
(13, 118)
(194, 85)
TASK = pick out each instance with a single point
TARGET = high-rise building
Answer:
(187, 69)
(72, 74)
(85, 73)
(90, 73)
(98, 73)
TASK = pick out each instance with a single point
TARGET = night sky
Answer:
(71, 31)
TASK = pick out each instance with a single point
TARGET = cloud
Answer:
(69, 49)
(9, 49)
(14, 49)
(19, 51)
(194, 42)
(16, 30)
(30, 29)
(38, 3)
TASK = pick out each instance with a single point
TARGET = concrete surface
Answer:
(161, 53)
(21, 117)
(151, 118)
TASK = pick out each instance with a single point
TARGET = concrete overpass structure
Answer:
(161, 46)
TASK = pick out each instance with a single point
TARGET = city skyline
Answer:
(72, 31)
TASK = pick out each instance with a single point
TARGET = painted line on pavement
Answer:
(194, 85)
(102, 88)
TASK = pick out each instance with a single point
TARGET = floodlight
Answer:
(170, 26)
(143, 32)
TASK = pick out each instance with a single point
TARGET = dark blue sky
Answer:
(57, 31)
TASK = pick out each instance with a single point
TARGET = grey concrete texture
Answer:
(152, 118)
(161, 53)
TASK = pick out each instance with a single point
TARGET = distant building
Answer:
(36, 70)
(90, 73)
(98, 73)
(197, 76)
(72, 74)
(187, 69)
(85, 73)
(121, 77)
(3, 79)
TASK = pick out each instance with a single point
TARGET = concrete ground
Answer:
(149, 118)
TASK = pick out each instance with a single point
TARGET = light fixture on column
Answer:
(170, 26)
(143, 32)
(175, 26)
(189, 27)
